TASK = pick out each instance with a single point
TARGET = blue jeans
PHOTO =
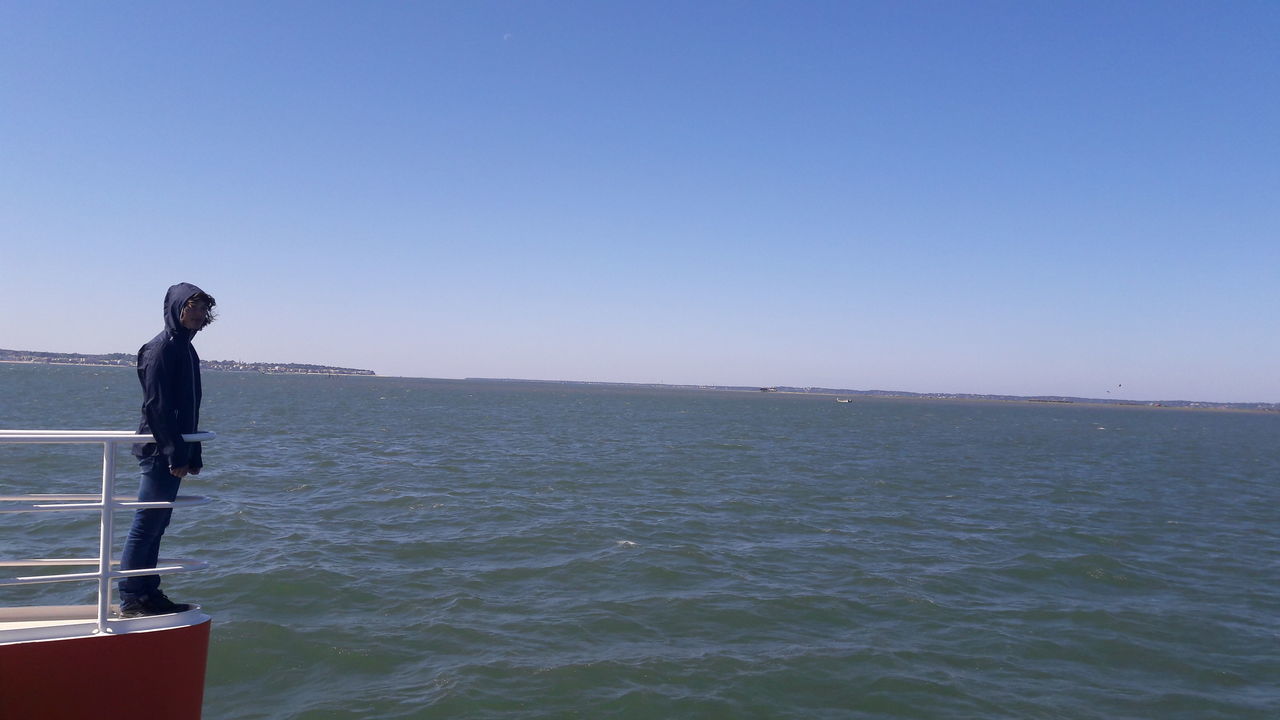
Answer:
(142, 547)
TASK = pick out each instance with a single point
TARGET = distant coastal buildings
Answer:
(127, 360)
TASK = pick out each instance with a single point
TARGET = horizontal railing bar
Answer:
(121, 433)
(37, 579)
(38, 562)
(59, 497)
(104, 433)
(181, 501)
(174, 566)
(68, 562)
(88, 436)
(71, 497)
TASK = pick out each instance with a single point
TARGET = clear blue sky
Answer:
(992, 197)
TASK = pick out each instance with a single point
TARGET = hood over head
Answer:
(174, 300)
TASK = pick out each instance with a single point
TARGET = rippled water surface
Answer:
(402, 548)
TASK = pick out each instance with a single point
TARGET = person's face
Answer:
(194, 314)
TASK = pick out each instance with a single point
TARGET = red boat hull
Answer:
(100, 676)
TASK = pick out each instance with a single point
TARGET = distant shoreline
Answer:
(127, 361)
(1080, 402)
(855, 395)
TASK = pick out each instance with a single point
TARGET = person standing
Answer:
(169, 370)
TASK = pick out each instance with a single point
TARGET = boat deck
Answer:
(56, 622)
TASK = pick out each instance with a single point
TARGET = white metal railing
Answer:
(106, 504)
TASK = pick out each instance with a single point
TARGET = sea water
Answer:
(409, 548)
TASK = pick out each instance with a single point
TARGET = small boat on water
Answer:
(843, 400)
(80, 661)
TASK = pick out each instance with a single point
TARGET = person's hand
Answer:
(178, 472)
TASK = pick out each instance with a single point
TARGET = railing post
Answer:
(104, 541)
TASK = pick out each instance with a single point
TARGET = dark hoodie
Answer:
(169, 371)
